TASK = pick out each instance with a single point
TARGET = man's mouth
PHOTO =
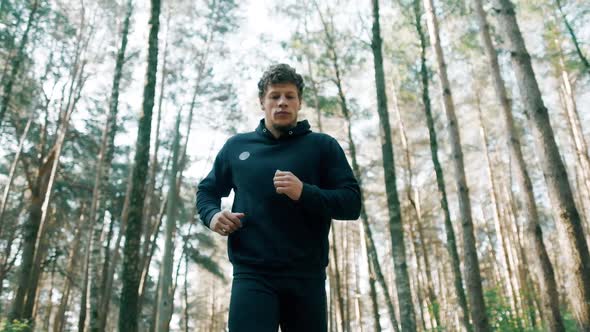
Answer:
(281, 113)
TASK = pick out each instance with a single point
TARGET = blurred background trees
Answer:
(464, 121)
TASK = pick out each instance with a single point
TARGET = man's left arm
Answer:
(338, 196)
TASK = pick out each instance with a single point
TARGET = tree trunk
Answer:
(165, 295)
(337, 284)
(185, 292)
(101, 182)
(59, 319)
(432, 298)
(77, 82)
(41, 189)
(574, 123)
(6, 262)
(472, 272)
(440, 181)
(83, 313)
(372, 253)
(30, 230)
(128, 311)
(16, 62)
(555, 172)
(49, 308)
(150, 205)
(537, 253)
(504, 263)
(108, 272)
(333, 321)
(372, 287)
(370, 243)
(417, 284)
(13, 171)
(407, 316)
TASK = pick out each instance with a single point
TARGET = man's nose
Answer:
(282, 100)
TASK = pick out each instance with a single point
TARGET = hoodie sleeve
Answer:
(216, 185)
(338, 196)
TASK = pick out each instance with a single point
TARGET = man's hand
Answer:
(287, 183)
(226, 222)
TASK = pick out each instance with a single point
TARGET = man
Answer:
(289, 183)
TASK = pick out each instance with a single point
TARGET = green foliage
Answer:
(15, 326)
(503, 319)
(569, 321)
(499, 312)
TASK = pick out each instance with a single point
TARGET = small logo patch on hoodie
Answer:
(244, 155)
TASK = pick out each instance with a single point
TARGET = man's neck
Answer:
(277, 133)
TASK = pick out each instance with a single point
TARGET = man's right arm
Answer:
(212, 188)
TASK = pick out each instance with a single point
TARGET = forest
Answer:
(465, 122)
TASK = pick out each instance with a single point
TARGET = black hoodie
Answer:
(280, 236)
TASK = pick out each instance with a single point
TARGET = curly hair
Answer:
(280, 73)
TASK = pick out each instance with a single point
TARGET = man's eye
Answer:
(274, 97)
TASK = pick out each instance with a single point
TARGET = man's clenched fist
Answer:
(226, 222)
(287, 183)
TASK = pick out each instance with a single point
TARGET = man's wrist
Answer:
(210, 216)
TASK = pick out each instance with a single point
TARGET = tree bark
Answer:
(185, 292)
(77, 82)
(337, 283)
(432, 298)
(537, 252)
(165, 295)
(149, 205)
(404, 294)
(372, 253)
(472, 271)
(101, 182)
(577, 132)
(108, 272)
(128, 311)
(30, 230)
(83, 312)
(12, 172)
(41, 188)
(440, 181)
(555, 172)
(504, 262)
(59, 319)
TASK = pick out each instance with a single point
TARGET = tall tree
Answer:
(440, 181)
(336, 78)
(554, 169)
(41, 186)
(537, 253)
(396, 230)
(472, 273)
(165, 293)
(128, 310)
(101, 181)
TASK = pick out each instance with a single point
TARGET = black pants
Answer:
(263, 303)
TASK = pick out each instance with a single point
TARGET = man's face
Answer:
(281, 104)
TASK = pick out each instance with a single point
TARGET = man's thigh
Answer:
(254, 305)
(303, 306)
